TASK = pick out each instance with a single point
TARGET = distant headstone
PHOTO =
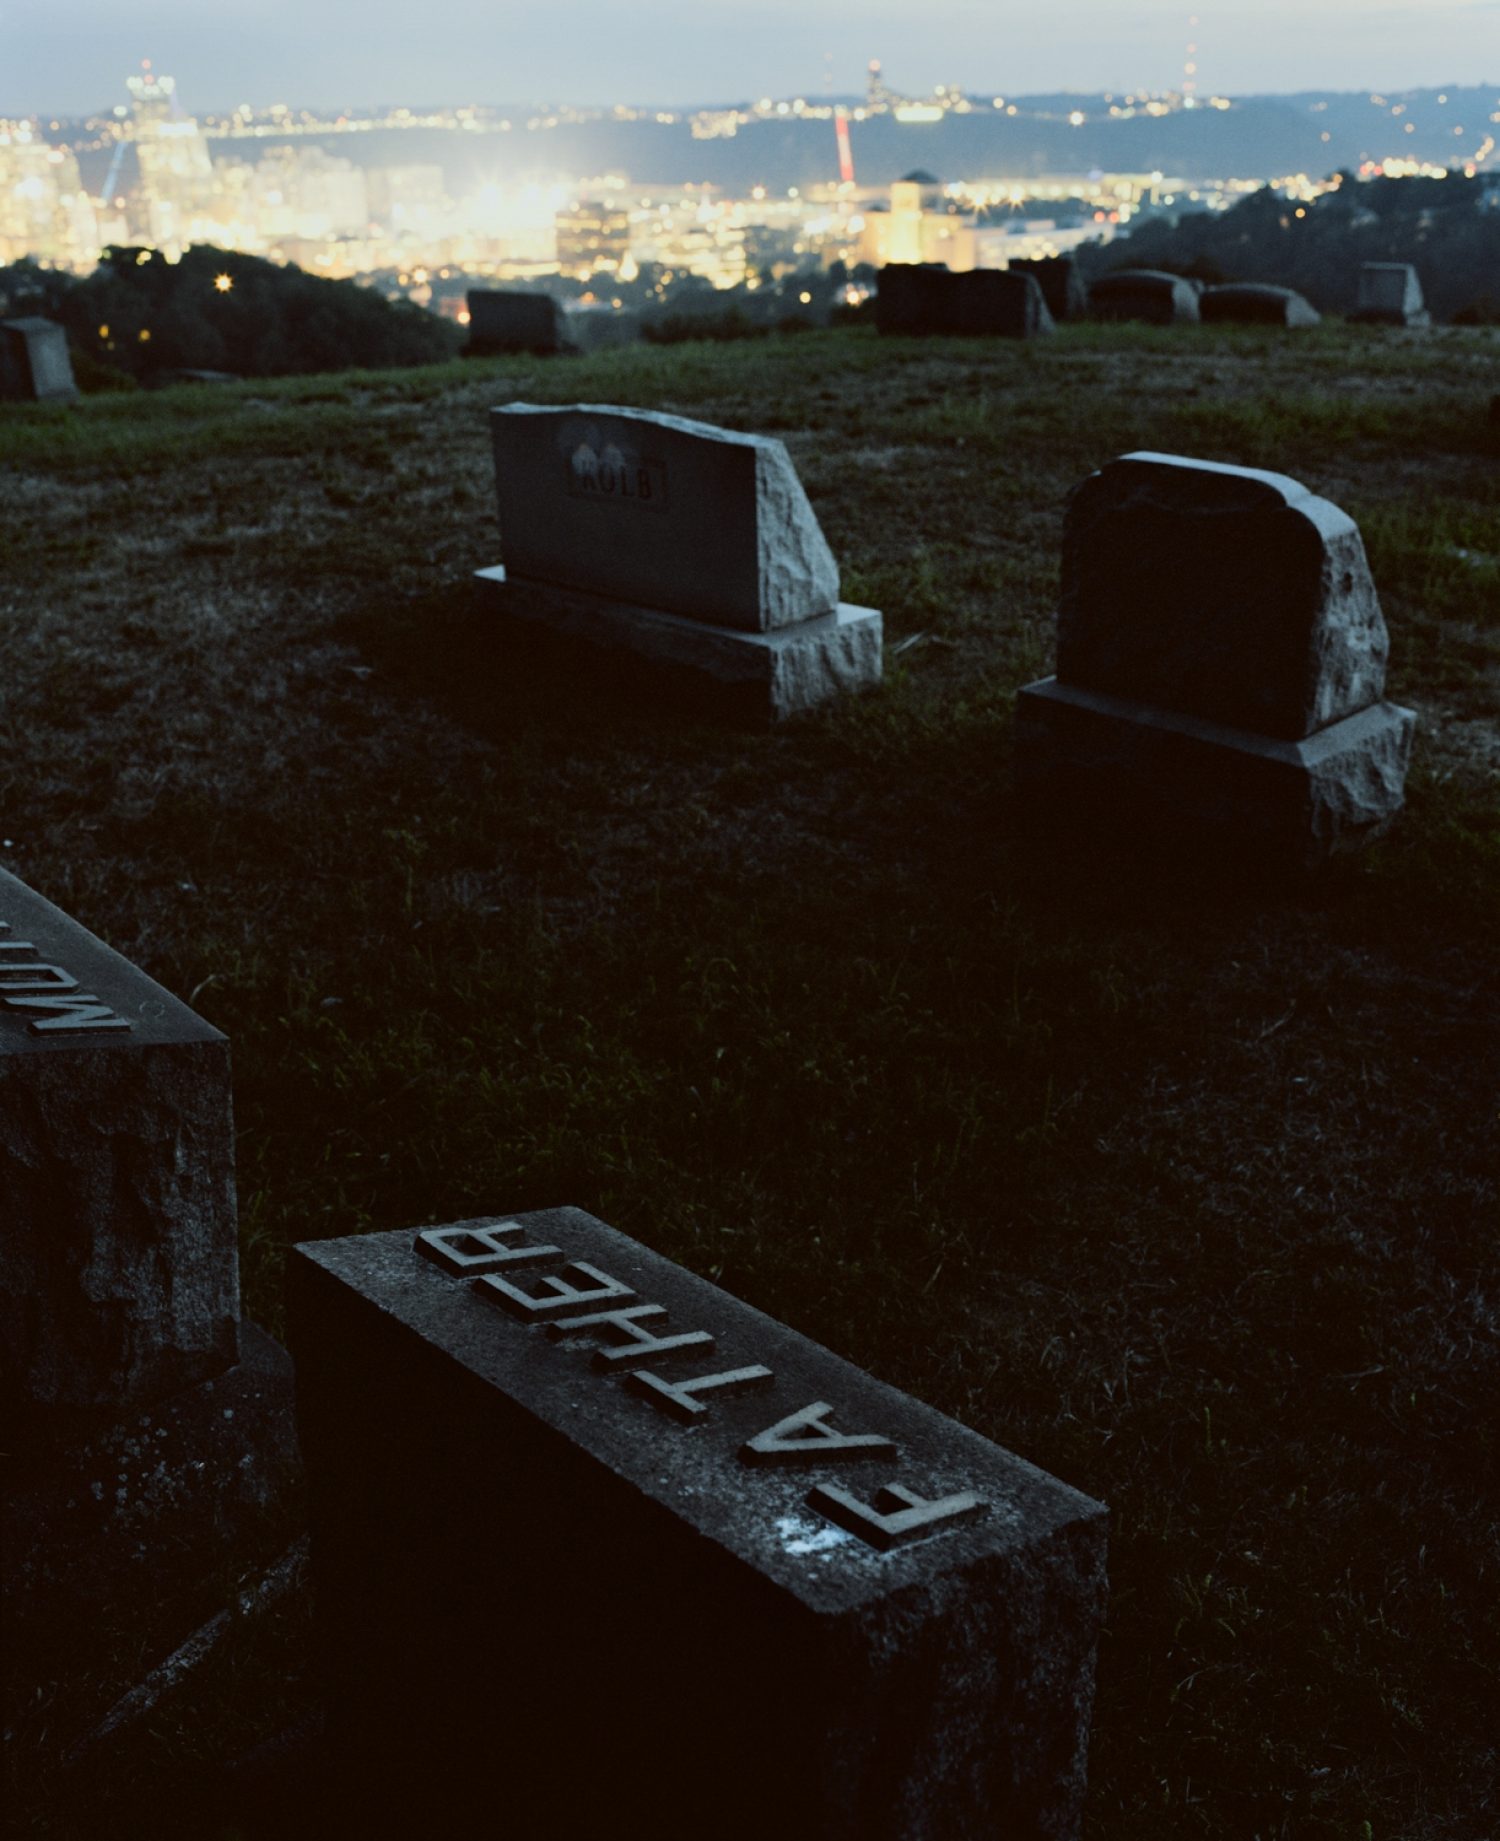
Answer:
(1390, 294)
(509, 320)
(34, 362)
(685, 544)
(1254, 303)
(1062, 284)
(119, 1268)
(925, 297)
(683, 1544)
(1143, 294)
(1220, 666)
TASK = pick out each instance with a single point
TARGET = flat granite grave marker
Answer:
(591, 1538)
(1220, 667)
(34, 361)
(689, 546)
(1390, 294)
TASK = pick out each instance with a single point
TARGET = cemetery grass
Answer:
(1181, 1185)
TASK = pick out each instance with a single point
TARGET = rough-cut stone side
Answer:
(1222, 592)
(1094, 763)
(1256, 303)
(798, 574)
(119, 1280)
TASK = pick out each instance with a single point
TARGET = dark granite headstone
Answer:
(1390, 294)
(1143, 294)
(591, 1536)
(1061, 280)
(508, 320)
(1254, 303)
(34, 362)
(119, 1268)
(925, 297)
(1220, 654)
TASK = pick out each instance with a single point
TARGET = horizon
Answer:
(298, 53)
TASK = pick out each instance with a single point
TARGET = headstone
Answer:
(148, 1431)
(508, 320)
(1062, 284)
(585, 1523)
(681, 543)
(1143, 294)
(924, 297)
(1220, 666)
(119, 1270)
(1390, 294)
(34, 362)
(1254, 303)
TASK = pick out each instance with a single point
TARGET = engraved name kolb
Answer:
(540, 1284)
(48, 995)
(610, 476)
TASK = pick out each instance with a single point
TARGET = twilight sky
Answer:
(73, 57)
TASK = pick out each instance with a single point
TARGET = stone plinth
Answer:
(576, 1509)
(34, 361)
(1220, 668)
(119, 1267)
(742, 677)
(1254, 303)
(1143, 294)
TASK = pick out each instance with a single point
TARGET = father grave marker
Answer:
(1220, 667)
(691, 547)
(679, 1557)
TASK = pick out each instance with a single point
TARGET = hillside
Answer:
(1183, 1189)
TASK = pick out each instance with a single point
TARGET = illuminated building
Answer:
(592, 237)
(44, 210)
(177, 175)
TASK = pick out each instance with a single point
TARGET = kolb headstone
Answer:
(1144, 294)
(1221, 659)
(925, 297)
(34, 362)
(146, 1426)
(597, 1543)
(692, 548)
(508, 320)
(1255, 303)
(1390, 294)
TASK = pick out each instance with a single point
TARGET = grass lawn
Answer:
(1184, 1191)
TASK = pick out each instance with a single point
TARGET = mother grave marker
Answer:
(691, 547)
(700, 1566)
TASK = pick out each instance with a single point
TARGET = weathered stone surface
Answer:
(34, 361)
(1219, 592)
(1061, 280)
(509, 320)
(1143, 294)
(738, 1584)
(925, 297)
(1255, 303)
(116, 1547)
(1390, 294)
(119, 1266)
(661, 513)
(755, 677)
(1121, 768)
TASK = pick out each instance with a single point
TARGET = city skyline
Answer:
(312, 53)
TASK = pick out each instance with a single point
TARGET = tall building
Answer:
(592, 236)
(44, 210)
(177, 175)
